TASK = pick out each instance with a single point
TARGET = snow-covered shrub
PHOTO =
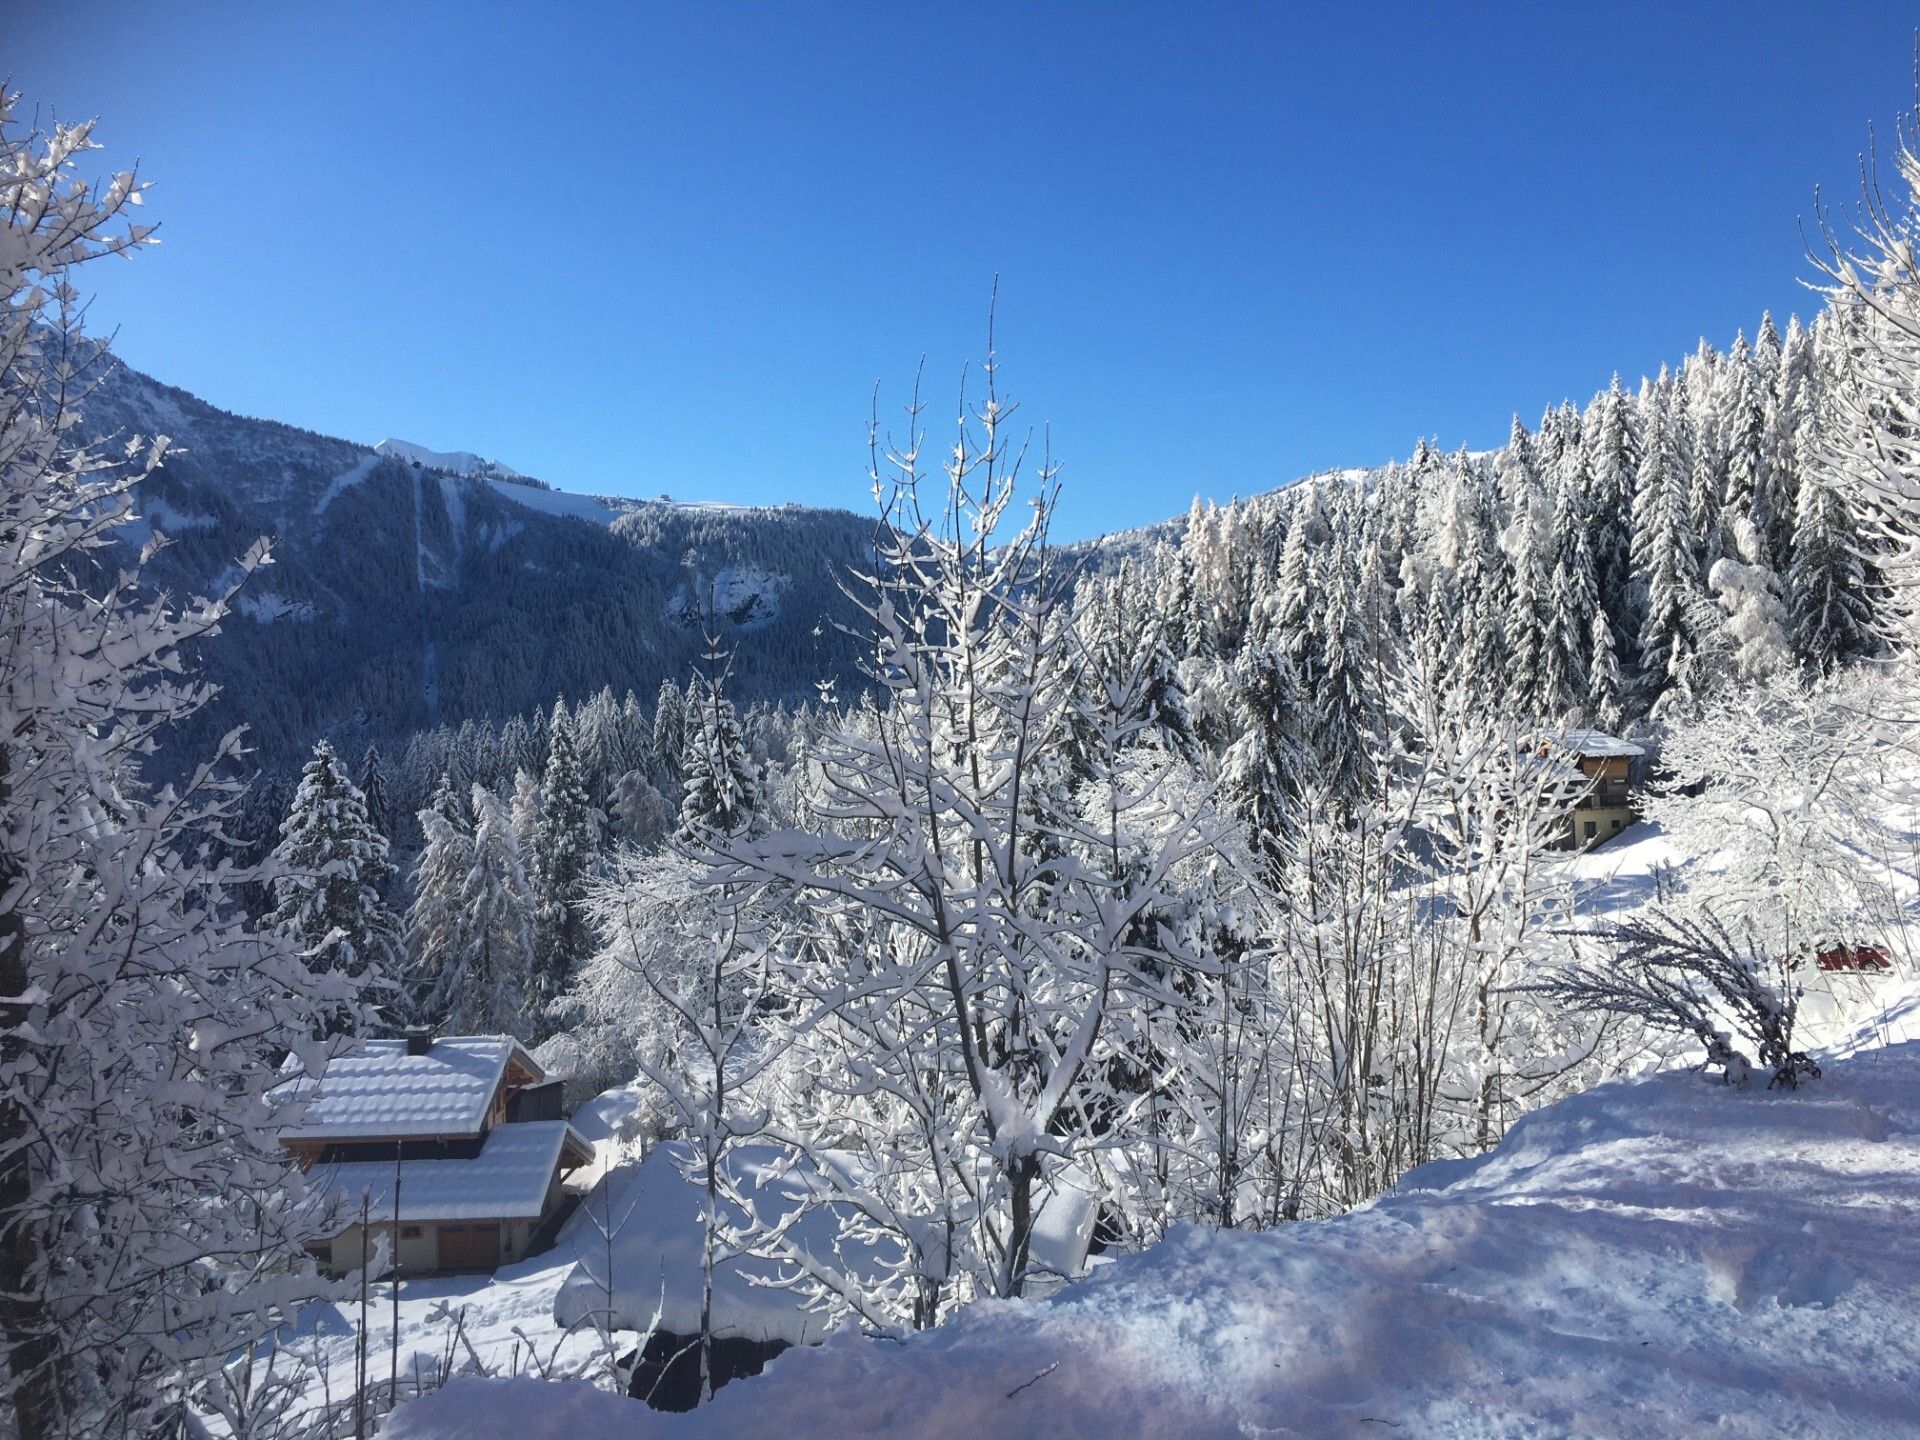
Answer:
(1687, 975)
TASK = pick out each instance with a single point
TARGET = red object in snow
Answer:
(1872, 958)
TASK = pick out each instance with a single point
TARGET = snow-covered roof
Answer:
(1597, 744)
(507, 1180)
(380, 1092)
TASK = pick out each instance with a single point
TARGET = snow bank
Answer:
(655, 1216)
(1662, 1257)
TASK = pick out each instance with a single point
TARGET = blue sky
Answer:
(671, 248)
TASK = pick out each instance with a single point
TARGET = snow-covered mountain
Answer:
(454, 462)
(414, 586)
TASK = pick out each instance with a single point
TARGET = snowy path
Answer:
(1657, 1258)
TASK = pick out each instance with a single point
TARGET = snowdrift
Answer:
(1661, 1257)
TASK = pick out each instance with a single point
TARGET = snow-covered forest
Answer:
(1091, 902)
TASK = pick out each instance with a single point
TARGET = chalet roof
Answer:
(378, 1091)
(507, 1180)
(1597, 744)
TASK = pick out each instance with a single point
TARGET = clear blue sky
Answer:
(642, 248)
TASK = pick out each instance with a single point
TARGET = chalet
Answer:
(1607, 806)
(466, 1127)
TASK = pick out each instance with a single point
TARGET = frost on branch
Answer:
(1688, 976)
(149, 1221)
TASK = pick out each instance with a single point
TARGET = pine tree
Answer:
(722, 786)
(524, 811)
(331, 869)
(1665, 555)
(1830, 616)
(375, 792)
(669, 729)
(1572, 603)
(497, 909)
(1743, 423)
(564, 853)
(1606, 685)
(436, 922)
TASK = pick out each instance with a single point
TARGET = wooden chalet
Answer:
(466, 1129)
(1606, 808)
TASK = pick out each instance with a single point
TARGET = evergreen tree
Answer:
(524, 810)
(1606, 685)
(496, 942)
(1573, 601)
(375, 790)
(669, 728)
(722, 786)
(330, 870)
(1665, 556)
(436, 921)
(1743, 422)
(1830, 616)
(564, 852)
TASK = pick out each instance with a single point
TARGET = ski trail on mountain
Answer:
(429, 657)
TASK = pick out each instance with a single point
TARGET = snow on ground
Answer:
(502, 1321)
(1660, 1257)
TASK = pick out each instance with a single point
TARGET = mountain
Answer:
(412, 587)
(454, 462)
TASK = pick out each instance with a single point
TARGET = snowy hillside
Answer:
(1662, 1257)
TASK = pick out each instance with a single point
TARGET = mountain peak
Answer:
(454, 462)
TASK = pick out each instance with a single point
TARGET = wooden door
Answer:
(469, 1247)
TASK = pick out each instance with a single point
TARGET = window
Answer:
(1593, 828)
(409, 1232)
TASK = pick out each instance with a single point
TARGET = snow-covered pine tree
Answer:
(1830, 615)
(564, 852)
(1606, 683)
(436, 921)
(524, 811)
(1611, 467)
(142, 1016)
(1573, 595)
(1743, 424)
(722, 784)
(1665, 556)
(669, 730)
(376, 793)
(330, 871)
(497, 912)
(1750, 594)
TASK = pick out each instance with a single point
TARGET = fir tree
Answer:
(496, 948)
(1665, 554)
(1830, 617)
(436, 923)
(375, 791)
(1606, 685)
(721, 795)
(563, 859)
(669, 728)
(331, 869)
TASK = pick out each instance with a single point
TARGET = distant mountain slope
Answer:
(412, 587)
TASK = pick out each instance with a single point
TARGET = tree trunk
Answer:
(31, 1346)
(1021, 1173)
